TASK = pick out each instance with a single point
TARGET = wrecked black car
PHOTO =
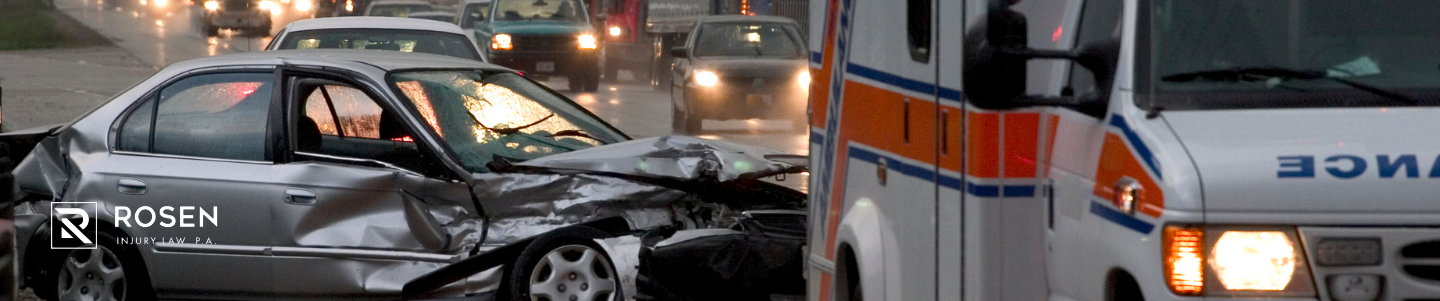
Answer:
(324, 174)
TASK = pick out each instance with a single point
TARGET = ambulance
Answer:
(1124, 150)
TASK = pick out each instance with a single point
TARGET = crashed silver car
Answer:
(324, 174)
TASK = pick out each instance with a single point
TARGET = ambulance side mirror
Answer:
(995, 61)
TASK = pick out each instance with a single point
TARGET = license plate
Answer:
(545, 67)
(765, 98)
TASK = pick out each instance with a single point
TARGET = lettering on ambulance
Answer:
(1117, 162)
(1351, 166)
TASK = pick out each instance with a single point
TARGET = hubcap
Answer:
(91, 275)
(572, 266)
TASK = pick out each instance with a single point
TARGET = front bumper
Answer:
(730, 102)
(238, 19)
(560, 63)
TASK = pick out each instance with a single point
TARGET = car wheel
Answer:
(610, 72)
(565, 264)
(592, 82)
(108, 272)
(685, 121)
(577, 83)
(211, 30)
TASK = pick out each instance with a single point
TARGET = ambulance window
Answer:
(918, 20)
(1099, 21)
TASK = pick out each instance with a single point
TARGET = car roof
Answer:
(368, 22)
(477, 1)
(431, 13)
(354, 59)
(743, 18)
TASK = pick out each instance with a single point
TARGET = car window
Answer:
(746, 39)
(484, 115)
(341, 120)
(397, 10)
(474, 12)
(440, 43)
(214, 116)
(540, 10)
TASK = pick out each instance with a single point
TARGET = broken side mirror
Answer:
(679, 52)
(995, 62)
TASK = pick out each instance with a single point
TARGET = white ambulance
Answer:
(1175, 150)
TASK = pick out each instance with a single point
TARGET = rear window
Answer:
(440, 43)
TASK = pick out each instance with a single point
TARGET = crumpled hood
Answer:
(672, 157)
(1373, 160)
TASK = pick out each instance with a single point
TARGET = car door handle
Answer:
(131, 186)
(299, 196)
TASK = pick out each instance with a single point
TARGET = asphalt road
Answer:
(159, 35)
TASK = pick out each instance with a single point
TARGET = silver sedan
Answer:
(321, 174)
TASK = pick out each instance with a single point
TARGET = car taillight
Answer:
(1184, 265)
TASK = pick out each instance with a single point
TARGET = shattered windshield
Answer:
(747, 40)
(483, 115)
(540, 10)
(1211, 54)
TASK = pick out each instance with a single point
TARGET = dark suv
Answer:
(249, 15)
(541, 37)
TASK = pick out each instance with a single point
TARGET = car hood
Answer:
(674, 158)
(540, 27)
(751, 67)
(1372, 160)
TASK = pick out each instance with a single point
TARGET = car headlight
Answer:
(616, 31)
(706, 78)
(212, 5)
(501, 42)
(1254, 260)
(1244, 261)
(804, 79)
(587, 41)
(349, 5)
(303, 5)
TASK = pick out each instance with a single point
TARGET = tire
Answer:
(685, 122)
(108, 272)
(211, 30)
(592, 82)
(562, 264)
(577, 83)
(609, 71)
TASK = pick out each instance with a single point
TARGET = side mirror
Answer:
(679, 52)
(995, 61)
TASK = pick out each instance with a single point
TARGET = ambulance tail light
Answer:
(1184, 260)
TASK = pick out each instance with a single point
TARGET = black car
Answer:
(248, 15)
(740, 67)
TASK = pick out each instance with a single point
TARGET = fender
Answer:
(865, 230)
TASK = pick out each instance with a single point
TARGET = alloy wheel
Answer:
(573, 273)
(92, 275)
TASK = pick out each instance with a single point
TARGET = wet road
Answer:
(163, 34)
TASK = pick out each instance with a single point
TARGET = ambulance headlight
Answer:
(1254, 260)
(1259, 261)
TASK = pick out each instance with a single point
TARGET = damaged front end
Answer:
(659, 198)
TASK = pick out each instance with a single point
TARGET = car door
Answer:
(364, 208)
(198, 144)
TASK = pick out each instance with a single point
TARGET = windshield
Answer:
(397, 10)
(1390, 45)
(481, 115)
(747, 40)
(440, 43)
(540, 10)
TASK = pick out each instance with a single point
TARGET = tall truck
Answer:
(1124, 150)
